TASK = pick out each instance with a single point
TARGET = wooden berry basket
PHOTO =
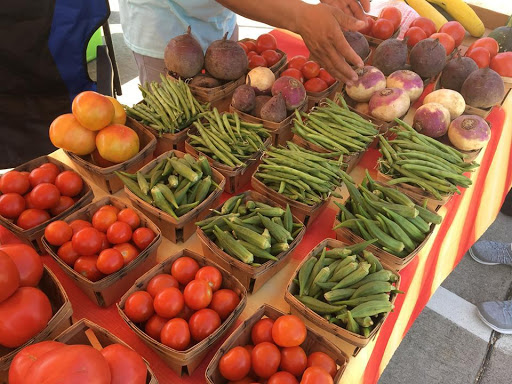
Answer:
(61, 319)
(252, 278)
(374, 40)
(321, 323)
(105, 178)
(108, 290)
(242, 336)
(184, 227)
(185, 362)
(277, 66)
(32, 236)
(86, 332)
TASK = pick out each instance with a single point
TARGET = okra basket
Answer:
(242, 336)
(320, 322)
(185, 362)
(108, 290)
(184, 227)
(252, 278)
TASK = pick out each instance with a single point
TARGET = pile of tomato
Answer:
(309, 72)
(261, 52)
(182, 307)
(450, 35)
(484, 53)
(31, 198)
(385, 25)
(110, 241)
(276, 355)
(55, 362)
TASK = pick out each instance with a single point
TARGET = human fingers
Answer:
(343, 47)
(356, 10)
(346, 21)
(341, 69)
(366, 5)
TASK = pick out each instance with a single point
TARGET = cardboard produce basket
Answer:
(185, 362)
(86, 332)
(184, 227)
(251, 277)
(320, 322)
(32, 236)
(242, 336)
(108, 290)
(277, 66)
(105, 178)
(61, 319)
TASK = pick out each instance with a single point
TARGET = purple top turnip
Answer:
(292, 90)
(408, 81)
(431, 119)
(469, 132)
(369, 81)
(389, 104)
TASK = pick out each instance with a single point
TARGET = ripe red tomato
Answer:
(87, 241)
(154, 326)
(455, 30)
(9, 276)
(446, 40)
(28, 202)
(126, 365)
(315, 85)
(265, 359)
(103, 219)
(502, 63)
(294, 360)
(14, 182)
(485, 42)
(480, 56)
(64, 203)
(203, 323)
(426, 24)
(105, 244)
(367, 30)
(86, 266)
(168, 302)
(392, 14)
(24, 314)
(257, 61)
(244, 47)
(139, 306)
(271, 57)
(110, 207)
(235, 364)
(414, 35)
(42, 175)
(160, 282)
(289, 331)
(197, 294)
(251, 54)
(67, 253)
(31, 218)
(109, 261)
(142, 237)
(28, 262)
(383, 29)
(45, 196)
(185, 313)
(251, 45)
(58, 232)
(11, 205)
(184, 269)
(265, 42)
(211, 275)
(77, 225)
(128, 251)
(245, 380)
(130, 217)
(69, 183)
(224, 301)
(282, 378)
(262, 331)
(316, 375)
(51, 166)
(297, 62)
(176, 334)
(293, 72)
(310, 69)
(324, 361)
(326, 76)
(119, 232)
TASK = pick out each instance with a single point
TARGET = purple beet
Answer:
(292, 90)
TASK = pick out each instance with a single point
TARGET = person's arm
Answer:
(320, 25)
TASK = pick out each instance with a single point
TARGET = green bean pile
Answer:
(299, 174)
(253, 232)
(386, 216)
(335, 128)
(167, 107)
(419, 160)
(228, 140)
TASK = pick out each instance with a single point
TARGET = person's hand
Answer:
(321, 26)
(353, 8)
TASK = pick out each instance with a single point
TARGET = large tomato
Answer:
(203, 323)
(109, 261)
(117, 143)
(64, 203)
(32, 217)
(87, 241)
(382, 29)
(262, 331)
(282, 378)
(14, 182)
(86, 266)
(128, 251)
(11, 205)
(67, 133)
(42, 175)
(142, 237)
(24, 314)
(9, 277)
(414, 35)
(77, 225)
(265, 42)
(58, 232)
(130, 217)
(102, 219)
(446, 40)
(69, 183)
(154, 326)
(455, 30)
(139, 306)
(184, 269)
(176, 334)
(210, 274)
(426, 24)
(392, 14)
(160, 282)
(119, 232)
(293, 360)
(197, 294)
(28, 262)
(235, 364)
(45, 196)
(485, 42)
(324, 361)
(502, 63)
(289, 331)
(265, 359)
(168, 302)
(77, 364)
(68, 254)
(316, 375)
(126, 365)
(224, 301)
(93, 110)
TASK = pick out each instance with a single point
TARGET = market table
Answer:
(466, 217)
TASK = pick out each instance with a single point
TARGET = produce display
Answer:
(348, 287)
(106, 244)
(175, 185)
(261, 52)
(308, 72)
(53, 361)
(469, 132)
(168, 107)
(385, 25)
(253, 232)
(184, 306)
(227, 140)
(386, 217)
(358, 43)
(31, 198)
(483, 88)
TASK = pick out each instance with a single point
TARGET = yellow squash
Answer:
(425, 9)
(464, 14)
